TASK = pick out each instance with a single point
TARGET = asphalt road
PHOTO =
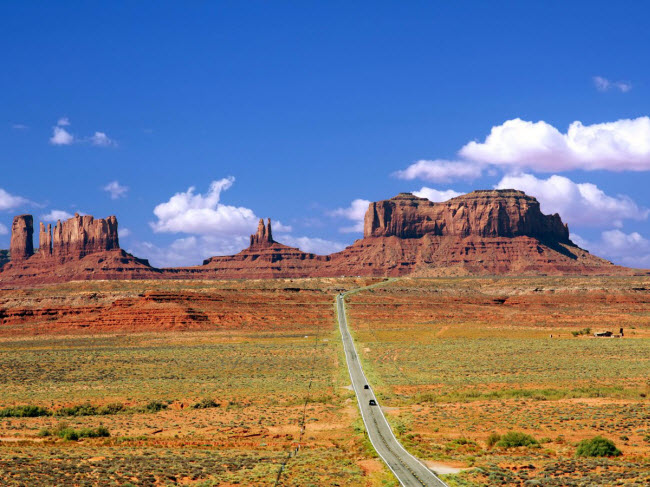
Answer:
(408, 469)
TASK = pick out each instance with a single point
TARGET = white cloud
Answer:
(63, 122)
(9, 201)
(188, 212)
(436, 195)
(277, 226)
(629, 249)
(116, 190)
(102, 140)
(61, 136)
(581, 204)
(355, 212)
(623, 145)
(441, 171)
(312, 245)
(190, 250)
(603, 84)
(3, 229)
(55, 215)
(124, 232)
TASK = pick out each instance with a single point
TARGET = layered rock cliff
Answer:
(483, 232)
(22, 238)
(491, 213)
(80, 236)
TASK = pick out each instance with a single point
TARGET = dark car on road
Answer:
(366, 386)
(372, 402)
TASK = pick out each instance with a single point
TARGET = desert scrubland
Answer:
(218, 382)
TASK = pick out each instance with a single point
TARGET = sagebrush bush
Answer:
(205, 404)
(24, 412)
(597, 447)
(514, 439)
(493, 439)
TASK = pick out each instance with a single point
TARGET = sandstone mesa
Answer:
(481, 233)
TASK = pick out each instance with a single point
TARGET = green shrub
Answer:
(154, 407)
(597, 447)
(513, 439)
(24, 412)
(205, 404)
(112, 408)
(66, 433)
(78, 410)
(493, 439)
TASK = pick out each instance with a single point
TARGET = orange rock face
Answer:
(22, 243)
(484, 232)
(83, 235)
(496, 213)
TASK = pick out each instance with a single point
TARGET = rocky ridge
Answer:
(483, 232)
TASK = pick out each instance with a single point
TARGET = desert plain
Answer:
(243, 382)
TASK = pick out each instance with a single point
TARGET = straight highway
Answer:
(408, 469)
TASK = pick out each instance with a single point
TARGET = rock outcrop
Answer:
(264, 236)
(45, 240)
(22, 238)
(491, 213)
(83, 235)
(79, 248)
(483, 232)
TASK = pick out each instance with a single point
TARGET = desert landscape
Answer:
(324, 244)
(243, 381)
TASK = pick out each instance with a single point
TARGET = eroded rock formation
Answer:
(491, 213)
(45, 240)
(83, 235)
(484, 232)
(264, 236)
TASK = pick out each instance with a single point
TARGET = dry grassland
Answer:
(456, 360)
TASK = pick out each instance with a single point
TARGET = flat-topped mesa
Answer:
(264, 236)
(22, 238)
(83, 235)
(487, 213)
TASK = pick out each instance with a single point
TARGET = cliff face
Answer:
(22, 238)
(80, 236)
(484, 232)
(264, 236)
(492, 213)
(77, 249)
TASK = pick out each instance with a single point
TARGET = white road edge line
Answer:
(341, 297)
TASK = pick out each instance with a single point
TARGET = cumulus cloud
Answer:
(116, 190)
(603, 84)
(9, 201)
(203, 214)
(629, 249)
(581, 204)
(55, 215)
(436, 195)
(441, 171)
(61, 136)
(623, 145)
(124, 232)
(192, 250)
(355, 212)
(312, 245)
(3, 229)
(102, 140)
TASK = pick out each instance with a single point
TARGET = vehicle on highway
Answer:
(372, 402)
(366, 386)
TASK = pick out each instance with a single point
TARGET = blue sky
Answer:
(303, 111)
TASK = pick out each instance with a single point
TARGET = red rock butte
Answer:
(487, 232)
